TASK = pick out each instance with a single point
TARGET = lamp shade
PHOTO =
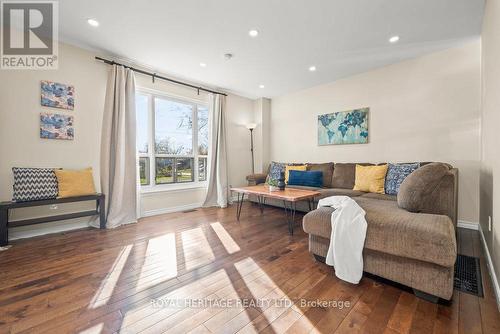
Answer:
(251, 126)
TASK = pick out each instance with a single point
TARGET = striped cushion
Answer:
(32, 184)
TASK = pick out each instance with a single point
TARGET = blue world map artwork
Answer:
(345, 127)
(57, 95)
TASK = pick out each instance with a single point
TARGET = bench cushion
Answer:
(34, 184)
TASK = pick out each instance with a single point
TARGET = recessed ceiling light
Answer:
(261, 86)
(312, 68)
(93, 23)
(253, 33)
(203, 65)
(394, 39)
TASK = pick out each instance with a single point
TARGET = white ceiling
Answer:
(339, 37)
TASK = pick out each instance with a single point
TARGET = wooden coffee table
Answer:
(289, 196)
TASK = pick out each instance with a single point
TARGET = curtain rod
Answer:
(154, 76)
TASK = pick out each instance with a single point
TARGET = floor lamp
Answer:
(250, 127)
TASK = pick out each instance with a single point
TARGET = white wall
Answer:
(490, 164)
(238, 138)
(262, 117)
(424, 109)
(20, 141)
(21, 145)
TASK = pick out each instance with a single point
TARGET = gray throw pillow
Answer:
(418, 186)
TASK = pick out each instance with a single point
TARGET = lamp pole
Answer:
(250, 127)
(251, 150)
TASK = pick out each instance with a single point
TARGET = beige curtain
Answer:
(118, 151)
(217, 194)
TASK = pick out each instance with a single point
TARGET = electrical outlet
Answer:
(489, 223)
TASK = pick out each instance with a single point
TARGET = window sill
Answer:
(151, 190)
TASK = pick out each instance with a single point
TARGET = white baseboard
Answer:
(491, 268)
(468, 225)
(179, 208)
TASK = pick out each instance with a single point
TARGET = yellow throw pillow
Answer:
(73, 183)
(288, 168)
(370, 178)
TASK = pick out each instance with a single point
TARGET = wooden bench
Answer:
(6, 206)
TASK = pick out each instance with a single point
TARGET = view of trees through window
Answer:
(173, 128)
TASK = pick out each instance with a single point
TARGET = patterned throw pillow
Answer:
(32, 184)
(396, 174)
(277, 168)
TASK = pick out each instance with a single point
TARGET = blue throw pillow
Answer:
(312, 178)
(396, 173)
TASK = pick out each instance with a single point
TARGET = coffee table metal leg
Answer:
(261, 200)
(239, 204)
(290, 215)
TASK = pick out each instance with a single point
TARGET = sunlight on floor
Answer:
(197, 250)
(160, 261)
(277, 308)
(109, 283)
(226, 239)
(206, 286)
(97, 329)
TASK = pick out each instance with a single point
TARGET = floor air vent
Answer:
(468, 275)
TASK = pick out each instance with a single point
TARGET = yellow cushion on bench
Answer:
(73, 183)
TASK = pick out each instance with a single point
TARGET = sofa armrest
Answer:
(254, 179)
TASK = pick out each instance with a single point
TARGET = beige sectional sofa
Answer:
(410, 237)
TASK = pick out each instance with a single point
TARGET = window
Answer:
(172, 140)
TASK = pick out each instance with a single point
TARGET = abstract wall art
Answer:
(345, 127)
(57, 95)
(56, 126)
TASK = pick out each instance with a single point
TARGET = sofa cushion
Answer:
(344, 175)
(327, 169)
(396, 173)
(318, 222)
(380, 196)
(370, 178)
(395, 231)
(326, 192)
(418, 186)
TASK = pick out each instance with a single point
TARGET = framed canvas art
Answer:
(345, 127)
(57, 95)
(56, 126)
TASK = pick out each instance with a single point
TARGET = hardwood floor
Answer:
(93, 281)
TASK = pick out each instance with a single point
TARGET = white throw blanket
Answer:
(345, 253)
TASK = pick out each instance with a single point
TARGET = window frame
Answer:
(152, 155)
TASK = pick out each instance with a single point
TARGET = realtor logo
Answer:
(29, 35)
